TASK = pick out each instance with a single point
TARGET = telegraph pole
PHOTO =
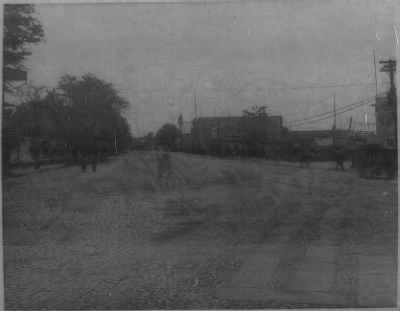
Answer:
(115, 142)
(180, 123)
(350, 123)
(334, 120)
(390, 67)
(195, 104)
(334, 112)
(376, 80)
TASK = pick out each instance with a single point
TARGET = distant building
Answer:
(186, 129)
(142, 143)
(235, 134)
(327, 138)
(317, 137)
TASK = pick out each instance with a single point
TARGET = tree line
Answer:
(81, 112)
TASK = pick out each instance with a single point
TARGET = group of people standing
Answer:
(306, 154)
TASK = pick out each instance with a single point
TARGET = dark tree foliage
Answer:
(95, 111)
(43, 117)
(21, 28)
(85, 113)
(149, 136)
(255, 134)
(168, 136)
(91, 92)
(256, 111)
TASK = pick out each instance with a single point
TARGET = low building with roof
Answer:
(229, 135)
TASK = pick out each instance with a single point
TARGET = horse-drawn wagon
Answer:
(375, 161)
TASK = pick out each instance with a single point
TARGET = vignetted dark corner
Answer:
(200, 155)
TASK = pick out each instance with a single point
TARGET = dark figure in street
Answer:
(353, 159)
(164, 164)
(84, 161)
(339, 158)
(36, 151)
(94, 162)
(88, 156)
(93, 156)
(305, 156)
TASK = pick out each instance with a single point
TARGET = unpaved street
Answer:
(218, 234)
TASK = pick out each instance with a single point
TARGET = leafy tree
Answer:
(255, 134)
(21, 28)
(43, 117)
(168, 135)
(95, 111)
(86, 113)
(149, 136)
(255, 111)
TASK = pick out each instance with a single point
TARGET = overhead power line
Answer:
(313, 87)
(356, 105)
(279, 87)
(330, 114)
(324, 118)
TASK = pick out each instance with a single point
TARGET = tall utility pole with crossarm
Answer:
(334, 121)
(386, 107)
(390, 67)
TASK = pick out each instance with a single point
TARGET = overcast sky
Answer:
(234, 54)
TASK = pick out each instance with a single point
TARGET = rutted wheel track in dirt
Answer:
(307, 232)
(301, 239)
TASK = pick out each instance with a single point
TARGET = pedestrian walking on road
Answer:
(84, 161)
(304, 157)
(163, 164)
(93, 159)
(339, 158)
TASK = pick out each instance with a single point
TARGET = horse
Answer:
(88, 155)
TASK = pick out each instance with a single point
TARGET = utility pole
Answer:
(334, 120)
(366, 120)
(350, 123)
(334, 112)
(195, 104)
(180, 123)
(390, 67)
(115, 142)
(376, 80)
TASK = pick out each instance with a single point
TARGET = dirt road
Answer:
(217, 234)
